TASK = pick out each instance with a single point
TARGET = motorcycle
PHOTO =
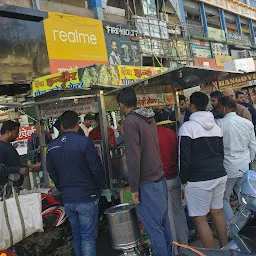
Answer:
(240, 231)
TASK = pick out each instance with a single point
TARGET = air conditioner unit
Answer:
(164, 17)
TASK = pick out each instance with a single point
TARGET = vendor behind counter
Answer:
(95, 134)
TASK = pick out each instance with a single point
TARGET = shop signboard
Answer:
(238, 82)
(233, 6)
(74, 41)
(92, 75)
(222, 59)
(122, 44)
(216, 34)
(252, 54)
(149, 7)
(152, 100)
(235, 37)
(220, 49)
(201, 48)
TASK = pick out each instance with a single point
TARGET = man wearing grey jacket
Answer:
(145, 171)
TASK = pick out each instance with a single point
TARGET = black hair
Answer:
(88, 117)
(216, 94)
(227, 102)
(127, 96)
(69, 119)
(9, 126)
(182, 97)
(239, 93)
(199, 100)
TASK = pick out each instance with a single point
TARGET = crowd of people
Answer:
(207, 158)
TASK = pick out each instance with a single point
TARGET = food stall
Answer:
(83, 90)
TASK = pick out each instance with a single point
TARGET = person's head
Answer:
(88, 120)
(229, 92)
(226, 105)
(240, 97)
(114, 46)
(127, 100)
(215, 96)
(183, 103)
(198, 102)
(10, 130)
(69, 121)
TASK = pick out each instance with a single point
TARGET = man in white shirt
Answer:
(86, 125)
(239, 147)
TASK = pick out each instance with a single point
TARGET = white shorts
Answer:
(202, 196)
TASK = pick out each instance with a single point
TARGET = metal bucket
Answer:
(124, 226)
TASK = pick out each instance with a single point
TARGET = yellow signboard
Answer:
(93, 75)
(222, 59)
(74, 41)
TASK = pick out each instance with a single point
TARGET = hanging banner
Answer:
(218, 48)
(201, 48)
(122, 44)
(74, 42)
(82, 106)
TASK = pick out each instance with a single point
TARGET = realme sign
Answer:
(74, 41)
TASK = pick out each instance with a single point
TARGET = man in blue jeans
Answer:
(145, 172)
(76, 170)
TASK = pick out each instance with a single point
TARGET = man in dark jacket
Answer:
(202, 171)
(145, 171)
(240, 99)
(215, 97)
(76, 170)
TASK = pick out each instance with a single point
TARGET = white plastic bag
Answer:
(22, 223)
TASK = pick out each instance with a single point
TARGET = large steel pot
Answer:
(123, 226)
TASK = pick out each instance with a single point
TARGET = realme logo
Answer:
(74, 37)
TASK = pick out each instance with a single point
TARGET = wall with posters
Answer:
(122, 44)
(74, 42)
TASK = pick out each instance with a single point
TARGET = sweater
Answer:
(142, 146)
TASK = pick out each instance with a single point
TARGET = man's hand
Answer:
(184, 185)
(24, 171)
(135, 198)
(34, 167)
(38, 150)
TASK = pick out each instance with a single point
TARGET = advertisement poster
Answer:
(21, 142)
(122, 44)
(220, 49)
(201, 48)
(216, 34)
(74, 42)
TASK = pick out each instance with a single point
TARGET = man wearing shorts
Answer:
(201, 169)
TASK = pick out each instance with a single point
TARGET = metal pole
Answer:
(204, 19)
(42, 144)
(36, 4)
(105, 142)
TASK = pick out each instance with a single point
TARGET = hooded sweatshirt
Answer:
(142, 145)
(201, 152)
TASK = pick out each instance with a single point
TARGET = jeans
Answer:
(176, 212)
(83, 218)
(153, 212)
(227, 210)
